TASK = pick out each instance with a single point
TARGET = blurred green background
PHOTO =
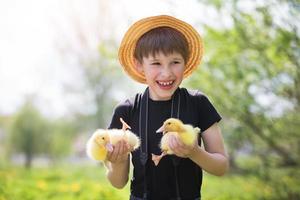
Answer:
(250, 71)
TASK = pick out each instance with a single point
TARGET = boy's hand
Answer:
(180, 149)
(119, 153)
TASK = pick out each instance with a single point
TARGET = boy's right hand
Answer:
(119, 153)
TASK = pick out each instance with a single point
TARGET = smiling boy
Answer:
(160, 52)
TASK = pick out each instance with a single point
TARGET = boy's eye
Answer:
(176, 62)
(155, 63)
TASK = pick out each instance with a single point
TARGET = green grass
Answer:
(58, 183)
(234, 187)
(89, 183)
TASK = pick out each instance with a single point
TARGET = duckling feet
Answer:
(125, 126)
(157, 158)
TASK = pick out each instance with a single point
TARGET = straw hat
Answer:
(128, 44)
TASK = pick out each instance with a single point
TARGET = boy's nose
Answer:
(166, 72)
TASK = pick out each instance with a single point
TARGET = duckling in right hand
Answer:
(175, 127)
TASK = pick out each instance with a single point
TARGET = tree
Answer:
(60, 139)
(88, 50)
(28, 133)
(252, 74)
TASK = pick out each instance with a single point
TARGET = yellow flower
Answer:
(75, 187)
(42, 185)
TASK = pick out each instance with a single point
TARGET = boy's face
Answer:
(163, 73)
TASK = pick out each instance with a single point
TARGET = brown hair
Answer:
(162, 39)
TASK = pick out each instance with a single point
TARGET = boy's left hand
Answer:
(119, 153)
(180, 149)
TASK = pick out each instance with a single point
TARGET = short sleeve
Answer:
(208, 113)
(122, 110)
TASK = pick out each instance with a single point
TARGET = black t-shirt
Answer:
(195, 109)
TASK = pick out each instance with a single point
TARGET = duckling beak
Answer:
(109, 147)
(161, 129)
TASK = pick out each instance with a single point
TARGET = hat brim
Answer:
(128, 44)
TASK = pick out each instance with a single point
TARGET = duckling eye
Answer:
(169, 123)
(103, 138)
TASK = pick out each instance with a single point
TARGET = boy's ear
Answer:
(138, 66)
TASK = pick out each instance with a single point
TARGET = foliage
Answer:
(250, 71)
(60, 139)
(32, 134)
(99, 81)
(89, 182)
(28, 134)
(56, 184)
(255, 60)
(252, 74)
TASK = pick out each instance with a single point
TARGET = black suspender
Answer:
(143, 134)
(175, 113)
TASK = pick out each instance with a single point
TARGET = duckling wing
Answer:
(116, 135)
(189, 136)
(133, 140)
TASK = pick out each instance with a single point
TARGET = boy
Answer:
(160, 51)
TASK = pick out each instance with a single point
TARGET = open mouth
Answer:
(165, 83)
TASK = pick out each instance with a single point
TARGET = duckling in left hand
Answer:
(175, 127)
(103, 140)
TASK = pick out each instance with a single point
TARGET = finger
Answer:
(176, 142)
(179, 143)
(125, 147)
(128, 148)
(119, 152)
(179, 147)
(173, 145)
(122, 147)
(111, 156)
(123, 151)
(116, 152)
(108, 156)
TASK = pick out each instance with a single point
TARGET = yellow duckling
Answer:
(175, 127)
(103, 140)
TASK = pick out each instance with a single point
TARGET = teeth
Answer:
(165, 83)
